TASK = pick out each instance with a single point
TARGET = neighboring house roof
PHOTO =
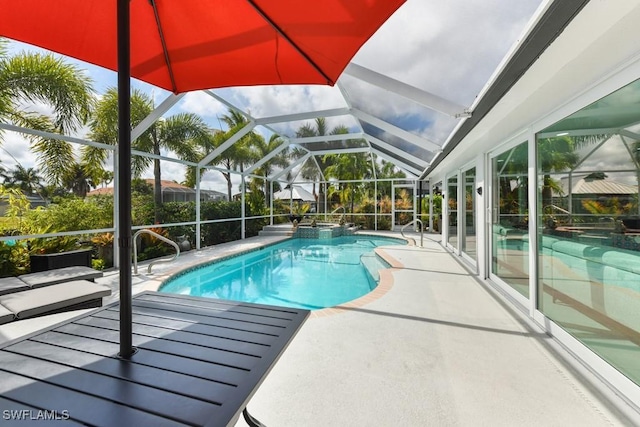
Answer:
(100, 191)
(167, 187)
(585, 185)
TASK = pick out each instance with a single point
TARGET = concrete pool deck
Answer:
(436, 348)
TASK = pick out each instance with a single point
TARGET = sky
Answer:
(449, 48)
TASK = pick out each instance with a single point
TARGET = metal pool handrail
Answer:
(344, 211)
(157, 236)
(421, 230)
(337, 209)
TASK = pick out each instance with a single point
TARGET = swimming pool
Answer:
(300, 273)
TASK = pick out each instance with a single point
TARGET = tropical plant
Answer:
(261, 148)
(77, 180)
(17, 207)
(313, 170)
(26, 179)
(180, 133)
(34, 78)
(349, 167)
(235, 157)
(14, 259)
(554, 155)
(70, 215)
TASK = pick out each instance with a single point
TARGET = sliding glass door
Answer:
(510, 218)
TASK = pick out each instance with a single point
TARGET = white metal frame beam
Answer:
(394, 130)
(396, 162)
(164, 106)
(413, 93)
(303, 116)
(268, 157)
(395, 150)
(234, 108)
(301, 160)
(341, 151)
(323, 138)
(227, 103)
(319, 168)
(57, 136)
(228, 143)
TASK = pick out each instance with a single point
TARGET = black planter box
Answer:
(45, 262)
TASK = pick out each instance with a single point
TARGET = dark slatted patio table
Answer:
(198, 362)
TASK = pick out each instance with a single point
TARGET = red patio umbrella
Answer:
(185, 45)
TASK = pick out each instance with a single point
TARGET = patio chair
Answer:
(47, 278)
(74, 295)
(60, 275)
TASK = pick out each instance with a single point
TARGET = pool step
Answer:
(372, 264)
(277, 230)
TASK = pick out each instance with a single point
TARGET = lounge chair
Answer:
(12, 284)
(6, 316)
(52, 299)
(47, 278)
(60, 275)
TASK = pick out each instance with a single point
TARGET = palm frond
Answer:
(35, 77)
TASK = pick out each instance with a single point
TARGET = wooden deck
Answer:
(199, 361)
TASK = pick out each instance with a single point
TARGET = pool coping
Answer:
(384, 285)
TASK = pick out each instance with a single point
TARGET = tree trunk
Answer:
(227, 176)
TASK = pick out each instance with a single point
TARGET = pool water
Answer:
(300, 273)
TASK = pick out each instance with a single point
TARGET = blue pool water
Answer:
(300, 273)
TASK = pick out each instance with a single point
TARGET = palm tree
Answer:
(43, 78)
(77, 180)
(261, 149)
(554, 155)
(101, 179)
(26, 179)
(242, 153)
(178, 133)
(233, 158)
(355, 166)
(385, 170)
(310, 170)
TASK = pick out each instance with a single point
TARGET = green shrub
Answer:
(174, 212)
(213, 234)
(98, 264)
(14, 259)
(70, 215)
(155, 251)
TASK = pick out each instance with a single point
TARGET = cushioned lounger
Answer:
(60, 275)
(9, 285)
(55, 298)
(6, 316)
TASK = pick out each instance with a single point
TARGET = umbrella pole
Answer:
(124, 177)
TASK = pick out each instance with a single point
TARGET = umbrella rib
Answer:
(290, 41)
(164, 45)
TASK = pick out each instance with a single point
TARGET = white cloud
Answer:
(447, 48)
(15, 149)
(203, 105)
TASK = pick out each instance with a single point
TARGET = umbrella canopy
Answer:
(294, 193)
(184, 45)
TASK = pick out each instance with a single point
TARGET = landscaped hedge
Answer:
(97, 212)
